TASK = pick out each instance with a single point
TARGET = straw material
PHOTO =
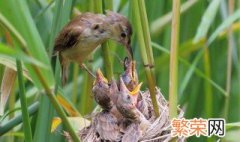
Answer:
(159, 129)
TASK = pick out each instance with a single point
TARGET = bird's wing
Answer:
(132, 134)
(107, 127)
(67, 38)
(72, 31)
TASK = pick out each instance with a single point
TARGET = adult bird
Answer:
(82, 35)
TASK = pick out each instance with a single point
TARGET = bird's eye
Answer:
(123, 35)
(128, 97)
(96, 27)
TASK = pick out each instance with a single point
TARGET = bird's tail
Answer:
(64, 69)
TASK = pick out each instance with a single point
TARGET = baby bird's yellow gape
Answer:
(85, 33)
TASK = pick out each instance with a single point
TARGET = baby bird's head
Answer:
(120, 29)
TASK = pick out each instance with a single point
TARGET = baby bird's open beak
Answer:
(130, 75)
(100, 77)
(135, 91)
(130, 69)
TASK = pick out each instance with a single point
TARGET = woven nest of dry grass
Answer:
(106, 126)
(158, 131)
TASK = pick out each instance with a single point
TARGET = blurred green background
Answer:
(209, 48)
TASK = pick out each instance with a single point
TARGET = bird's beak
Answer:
(129, 51)
(100, 77)
(130, 69)
(113, 85)
(122, 86)
(128, 65)
(136, 90)
(133, 71)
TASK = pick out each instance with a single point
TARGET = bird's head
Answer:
(97, 28)
(120, 29)
(126, 96)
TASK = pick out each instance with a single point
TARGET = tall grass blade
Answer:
(158, 24)
(207, 20)
(11, 63)
(226, 23)
(23, 100)
(7, 84)
(24, 24)
(196, 70)
(5, 127)
(202, 31)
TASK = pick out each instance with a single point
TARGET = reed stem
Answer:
(173, 80)
(229, 62)
(143, 50)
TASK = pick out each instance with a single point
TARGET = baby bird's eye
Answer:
(123, 35)
(96, 27)
(128, 97)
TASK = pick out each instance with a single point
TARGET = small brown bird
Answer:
(126, 101)
(82, 35)
(101, 91)
(130, 79)
(126, 105)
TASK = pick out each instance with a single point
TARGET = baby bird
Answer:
(126, 106)
(130, 79)
(105, 123)
(82, 35)
(126, 102)
(101, 91)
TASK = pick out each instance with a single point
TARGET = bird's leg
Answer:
(83, 66)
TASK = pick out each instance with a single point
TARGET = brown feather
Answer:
(72, 31)
(107, 126)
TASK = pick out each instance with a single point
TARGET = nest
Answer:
(108, 126)
(158, 131)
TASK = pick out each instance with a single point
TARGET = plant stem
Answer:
(229, 62)
(107, 60)
(173, 80)
(147, 38)
(143, 50)
(23, 100)
(75, 83)
(145, 27)
(207, 85)
(105, 46)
